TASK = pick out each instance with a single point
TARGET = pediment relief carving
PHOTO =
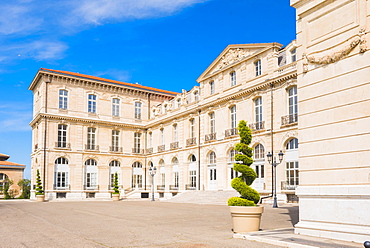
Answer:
(232, 56)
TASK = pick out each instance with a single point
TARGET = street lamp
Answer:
(273, 162)
(152, 171)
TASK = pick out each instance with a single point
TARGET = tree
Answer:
(25, 185)
(8, 193)
(115, 184)
(249, 196)
(39, 190)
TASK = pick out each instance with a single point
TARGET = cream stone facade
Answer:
(334, 118)
(95, 127)
(12, 171)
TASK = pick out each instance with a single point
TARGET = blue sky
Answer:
(159, 43)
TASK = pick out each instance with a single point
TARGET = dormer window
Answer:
(294, 54)
(196, 96)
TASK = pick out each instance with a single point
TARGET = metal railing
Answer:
(115, 149)
(231, 132)
(161, 187)
(257, 126)
(190, 187)
(62, 145)
(289, 119)
(174, 145)
(66, 187)
(92, 147)
(137, 150)
(91, 187)
(210, 137)
(191, 142)
(289, 185)
(174, 187)
(161, 148)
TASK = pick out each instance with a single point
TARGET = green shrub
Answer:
(25, 185)
(115, 184)
(8, 193)
(39, 190)
(249, 196)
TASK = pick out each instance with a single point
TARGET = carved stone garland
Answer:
(359, 39)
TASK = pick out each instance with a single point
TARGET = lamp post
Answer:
(273, 162)
(152, 171)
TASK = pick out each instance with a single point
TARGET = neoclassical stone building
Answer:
(87, 128)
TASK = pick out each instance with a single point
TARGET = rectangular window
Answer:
(63, 99)
(62, 180)
(115, 140)
(162, 136)
(91, 103)
(175, 133)
(150, 140)
(293, 101)
(292, 174)
(178, 103)
(115, 107)
(62, 136)
(233, 78)
(294, 55)
(137, 142)
(193, 178)
(137, 110)
(233, 116)
(176, 179)
(257, 65)
(258, 109)
(192, 128)
(91, 135)
(137, 181)
(212, 122)
(212, 87)
(163, 179)
(91, 180)
(196, 96)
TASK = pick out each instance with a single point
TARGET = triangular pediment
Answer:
(234, 54)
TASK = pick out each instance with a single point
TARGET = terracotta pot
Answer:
(246, 219)
(115, 197)
(40, 198)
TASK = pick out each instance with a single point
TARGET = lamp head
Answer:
(281, 154)
(269, 156)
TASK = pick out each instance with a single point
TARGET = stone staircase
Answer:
(204, 197)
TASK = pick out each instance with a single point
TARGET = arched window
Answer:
(91, 162)
(61, 173)
(2, 179)
(292, 144)
(193, 158)
(212, 158)
(115, 163)
(137, 165)
(259, 152)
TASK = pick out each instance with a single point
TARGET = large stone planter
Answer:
(246, 219)
(40, 198)
(115, 197)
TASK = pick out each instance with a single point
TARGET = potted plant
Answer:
(246, 215)
(115, 194)
(40, 196)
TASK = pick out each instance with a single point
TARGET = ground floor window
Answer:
(212, 174)
(292, 174)
(91, 180)
(61, 179)
(137, 181)
(193, 178)
(176, 179)
(260, 170)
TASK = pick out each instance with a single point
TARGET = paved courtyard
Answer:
(127, 224)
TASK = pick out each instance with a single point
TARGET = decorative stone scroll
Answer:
(357, 40)
(232, 56)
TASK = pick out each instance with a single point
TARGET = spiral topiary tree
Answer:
(249, 196)
(115, 184)
(39, 190)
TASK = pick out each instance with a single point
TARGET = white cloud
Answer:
(115, 74)
(38, 50)
(99, 11)
(15, 117)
